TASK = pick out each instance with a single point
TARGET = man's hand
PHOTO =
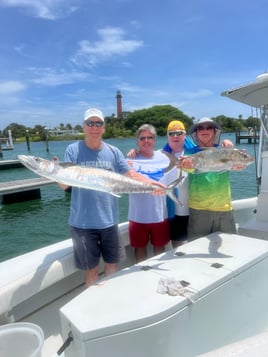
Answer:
(227, 143)
(133, 153)
(137, 176)
(160, 190)
(61, 185)
(186, 163)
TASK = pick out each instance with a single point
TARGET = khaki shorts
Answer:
(202, 223)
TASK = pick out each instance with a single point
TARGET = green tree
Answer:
(38, 129)
(17, 130)
(159, 116)
(79, 128)
(252, 122)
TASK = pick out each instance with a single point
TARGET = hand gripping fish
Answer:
(92, 178)
(215, 160)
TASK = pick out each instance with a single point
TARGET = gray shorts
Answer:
(90, 244)
(203, 222)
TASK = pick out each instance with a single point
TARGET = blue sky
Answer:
(59, 57)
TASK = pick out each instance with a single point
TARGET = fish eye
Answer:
(243, 154)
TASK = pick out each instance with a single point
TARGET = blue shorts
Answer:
(90, 244)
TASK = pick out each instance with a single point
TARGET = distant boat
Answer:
(9, 142)
(7, 147)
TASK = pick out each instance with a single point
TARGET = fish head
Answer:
(244, 157)
(36, 164)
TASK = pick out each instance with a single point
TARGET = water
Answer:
(30, 225)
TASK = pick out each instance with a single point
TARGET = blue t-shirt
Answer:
(89, 208)
(189, 147)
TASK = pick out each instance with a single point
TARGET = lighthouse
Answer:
(119, 104)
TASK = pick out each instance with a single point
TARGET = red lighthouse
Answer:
(119, 104)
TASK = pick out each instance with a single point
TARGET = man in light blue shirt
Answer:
(94, 215)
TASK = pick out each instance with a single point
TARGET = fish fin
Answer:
(114, 194)
(66, 164)
(206, 148)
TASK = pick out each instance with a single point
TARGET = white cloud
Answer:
(49, 77)
(111, 43)
(45, 9)
(10, 87)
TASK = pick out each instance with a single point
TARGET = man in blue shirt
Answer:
(94, 215)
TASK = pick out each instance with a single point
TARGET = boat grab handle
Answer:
(65, 344)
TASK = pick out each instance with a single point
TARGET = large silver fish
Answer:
(91, 178)
(220, 159)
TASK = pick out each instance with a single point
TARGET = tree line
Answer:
(159, 116)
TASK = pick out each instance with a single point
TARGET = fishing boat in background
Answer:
(207, 297)
(9, 142)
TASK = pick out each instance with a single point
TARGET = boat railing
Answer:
(34, 279)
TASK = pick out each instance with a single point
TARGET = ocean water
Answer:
(33, 224)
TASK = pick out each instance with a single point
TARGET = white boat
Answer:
(9, 143)
(207, 297)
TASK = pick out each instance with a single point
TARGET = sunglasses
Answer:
(91, 123)
(201, 128)
(175, 133)
(142, 138)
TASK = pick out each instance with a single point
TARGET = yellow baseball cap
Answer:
(175, 125)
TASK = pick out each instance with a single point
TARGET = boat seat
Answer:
(24, 276)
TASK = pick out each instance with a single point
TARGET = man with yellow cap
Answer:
(179, 145)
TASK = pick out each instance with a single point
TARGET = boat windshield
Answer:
(255, 94)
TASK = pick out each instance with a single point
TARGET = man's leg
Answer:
(140, 254)
(110, 268)
(91, 276)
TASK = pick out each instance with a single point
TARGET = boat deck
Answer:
(48, 318)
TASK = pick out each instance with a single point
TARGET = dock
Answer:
(251, 138)
(10, 164)
(22, 190)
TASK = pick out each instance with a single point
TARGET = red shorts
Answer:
(141, 233)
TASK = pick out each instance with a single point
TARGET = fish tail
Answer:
(174, 197)
(171, 189)
(173, 160)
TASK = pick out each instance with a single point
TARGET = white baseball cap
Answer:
(93, 112)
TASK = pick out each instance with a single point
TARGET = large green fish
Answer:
(91, 178)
